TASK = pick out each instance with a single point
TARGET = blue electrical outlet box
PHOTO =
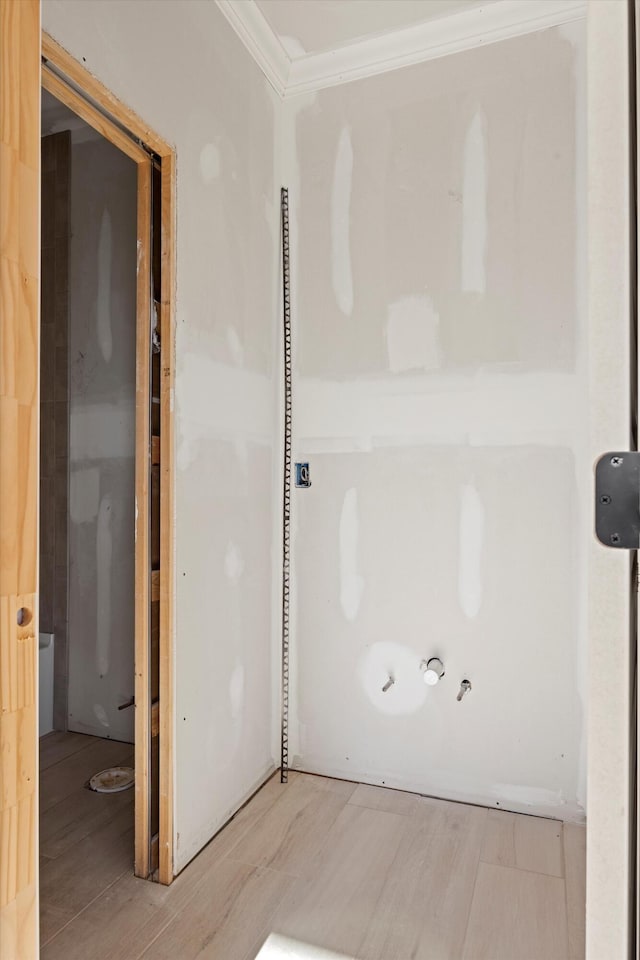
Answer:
(303, 477)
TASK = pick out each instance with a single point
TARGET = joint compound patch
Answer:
(341, 276)
(235, 346)
(233, 562)
(386, 659)
(101, 714)
(210, 163)
(104, 551)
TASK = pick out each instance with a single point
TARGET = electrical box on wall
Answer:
(303, 477)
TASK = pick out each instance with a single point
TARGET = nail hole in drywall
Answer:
(23, 617)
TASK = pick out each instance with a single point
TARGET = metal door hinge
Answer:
(617, 507)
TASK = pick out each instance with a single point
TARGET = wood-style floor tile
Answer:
(516, 915)
(244, 821)
(227, 917)
(316, 869)
(62, 779)
(122, 922)
(575, 858)
(294, 829)
(69, 883)
(424, 904)
(380, 798)
(528, 843)
(334, 907)
(77, 816)
(118, 925)
(57, 746)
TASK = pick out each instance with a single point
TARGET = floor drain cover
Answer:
(113, 780)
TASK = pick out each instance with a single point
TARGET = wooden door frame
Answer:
(19, 416)
(74, 86)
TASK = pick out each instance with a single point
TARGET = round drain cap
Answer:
(113, 780)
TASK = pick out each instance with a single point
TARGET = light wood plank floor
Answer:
(86, 838)
(317, 869)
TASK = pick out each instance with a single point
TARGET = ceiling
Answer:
(314, 26)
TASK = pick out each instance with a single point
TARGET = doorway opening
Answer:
(106, 490)
(87, 503)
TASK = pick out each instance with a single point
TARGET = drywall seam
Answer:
(495, 408)
(340, 224)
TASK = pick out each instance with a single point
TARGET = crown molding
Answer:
(259, 39)
(476, 27)
(467, 30)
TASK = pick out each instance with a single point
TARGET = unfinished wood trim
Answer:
(82, 78)
(19, 462)
(155, 585)
(105, 100)
(155, 719)
(82, 108)
(142, 550)
(167, 573)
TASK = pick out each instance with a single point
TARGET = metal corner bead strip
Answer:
(286, 494)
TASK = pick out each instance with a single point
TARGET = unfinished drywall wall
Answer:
(102, 381)
(187, 74)
(441, 392)
(53, 589)
(612, 631)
